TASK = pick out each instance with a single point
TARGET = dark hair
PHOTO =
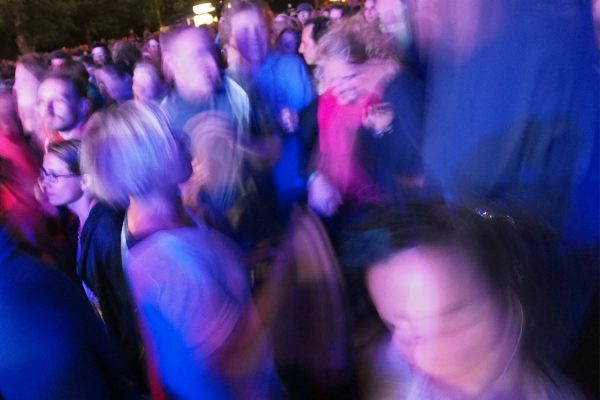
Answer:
(59, 54)
(342, 7)
(128, 53)
(79, 85)
(75, 68)
(69, 152)
(320, 26)
(515, 256)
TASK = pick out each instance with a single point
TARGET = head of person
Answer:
(345, 54)
(114, 82)
(390, 13)
(126, 53)
(288, 41)
(447, 283)
(100, 54)
(29, 72)
(60, 174)
(148, 82)
(370, 11)
(151, 49)
(57, 58)
(280, 23)
(131, 152)
(190, 62)
(338, 11)
(313, 30)
(245, 27)
(304, 12)
(62, 101)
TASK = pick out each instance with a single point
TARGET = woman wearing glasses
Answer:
(98, 249)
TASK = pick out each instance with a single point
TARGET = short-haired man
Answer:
(63, 106)
(190, 60)
(313, 30)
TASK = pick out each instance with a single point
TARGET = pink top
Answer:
(339, 125)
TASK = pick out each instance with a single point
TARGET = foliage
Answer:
(45, 25)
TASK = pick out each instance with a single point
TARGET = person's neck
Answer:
(82, 208)
(155, 212)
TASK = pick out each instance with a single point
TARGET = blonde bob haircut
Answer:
(131, 151)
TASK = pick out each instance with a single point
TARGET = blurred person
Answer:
(57, 58)
(337, 11)
(402, 20)
(52, 346)
(280, 23)
(29, 72)
(63, 106)
(189, 58)
(18, 206)
(99, 264)
(280, 83)
(304, 12)
(115, 83)
(126, 53)
(348, 55)
(370, 11)
(100, 54)
(148, 82)
(190, 61)
(152, 51)
(313, 30)
(536, 148)
(288, 41)
(456, 290)
(188, 284)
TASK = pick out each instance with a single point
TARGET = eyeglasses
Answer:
(53, 178)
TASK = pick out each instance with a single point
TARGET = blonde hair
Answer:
(130, 151)
(356, 42)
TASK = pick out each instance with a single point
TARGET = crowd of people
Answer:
(398, 199)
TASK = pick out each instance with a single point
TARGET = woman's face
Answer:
(441, 318)
(343, 79)
(60, 185)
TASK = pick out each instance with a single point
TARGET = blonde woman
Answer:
(188, 283)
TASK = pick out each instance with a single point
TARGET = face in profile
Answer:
(308, 47)
(192, 65)
(250, 35)
(442, 319)
(343, 79)
(58, 105)
(61, 186)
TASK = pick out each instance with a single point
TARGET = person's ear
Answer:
(85, 107)
(86, 183)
